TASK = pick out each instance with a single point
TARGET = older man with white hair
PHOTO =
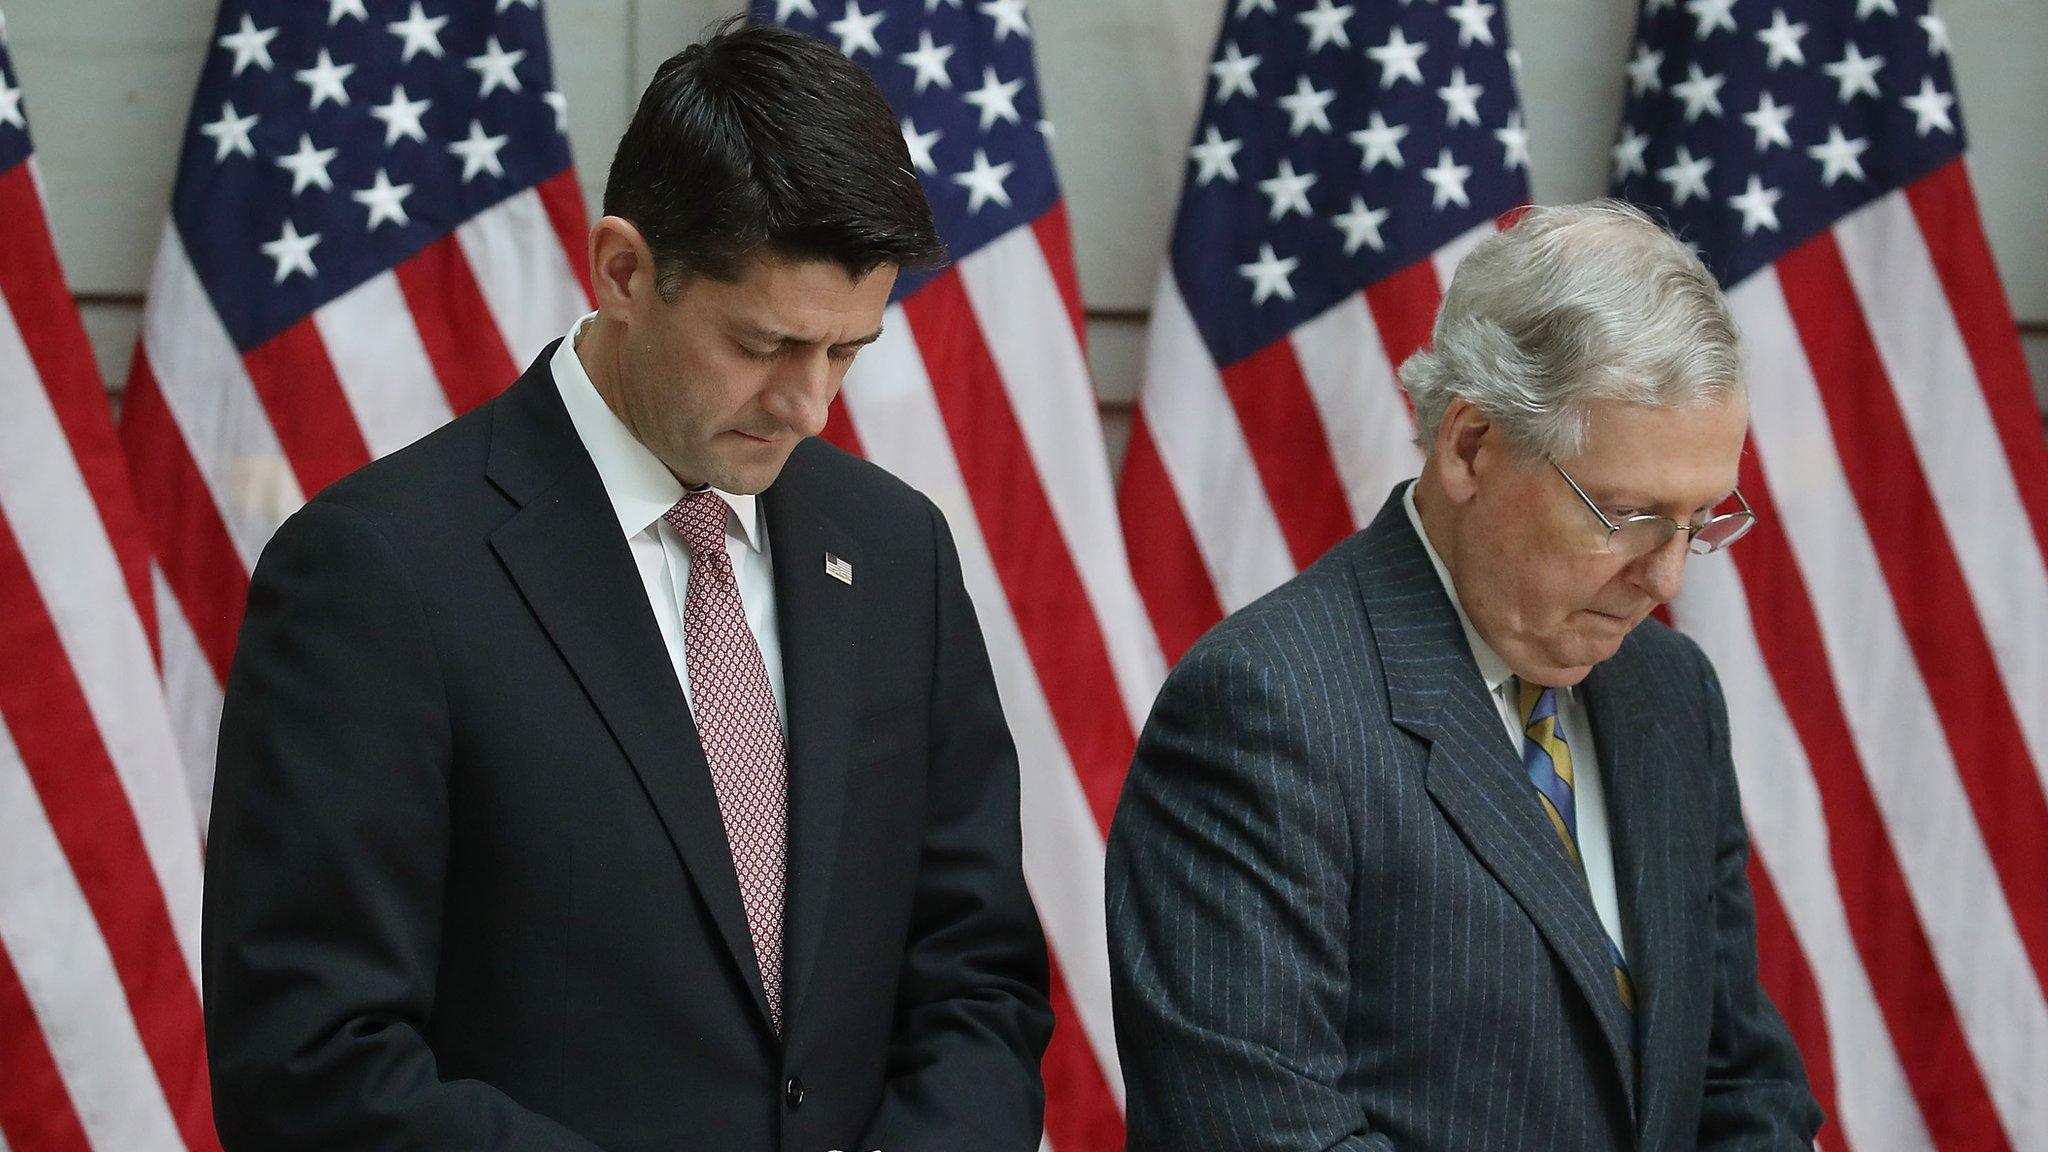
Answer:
(1438, 845)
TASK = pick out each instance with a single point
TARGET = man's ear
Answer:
(1461, 436)
(621, 266)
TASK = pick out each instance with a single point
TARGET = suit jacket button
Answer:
(793, 1093)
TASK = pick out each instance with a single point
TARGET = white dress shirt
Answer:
(641, 489)
(1596, 851)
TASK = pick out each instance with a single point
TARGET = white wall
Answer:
(109, 82)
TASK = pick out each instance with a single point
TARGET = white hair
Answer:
(1574, 304)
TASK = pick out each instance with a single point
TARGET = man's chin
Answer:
(750, 477)
(1570, 657)
(1591, 650)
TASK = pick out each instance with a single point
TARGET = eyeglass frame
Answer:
(1692, 531)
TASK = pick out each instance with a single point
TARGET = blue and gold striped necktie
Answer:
(1548, 760)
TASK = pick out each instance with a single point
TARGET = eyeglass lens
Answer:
(1640, 537)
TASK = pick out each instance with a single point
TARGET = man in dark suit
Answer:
(617, 768)
(1438, 846)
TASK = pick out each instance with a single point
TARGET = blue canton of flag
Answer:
(14, 141)
(1340, 143)
(331, 140)
(961, 76)
(1753, 125)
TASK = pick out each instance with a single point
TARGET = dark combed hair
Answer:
(762, 140)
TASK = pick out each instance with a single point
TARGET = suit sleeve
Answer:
(1229, 878)
(326, 865)
(1756, 1091)
(973, 1016)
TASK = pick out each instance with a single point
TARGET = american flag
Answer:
(1347, 156)
(1883, 633)
(374, 227)
(978, 393)
(101, 1045)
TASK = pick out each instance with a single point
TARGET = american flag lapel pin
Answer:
(838, 569)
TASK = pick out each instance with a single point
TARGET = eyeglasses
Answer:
(1638, 536)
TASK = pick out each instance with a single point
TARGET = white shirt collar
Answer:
(639, 485)
(1492, 668)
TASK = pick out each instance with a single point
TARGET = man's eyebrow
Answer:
(1614, 500)
(754, 331)
(772, 336)
(1653, 505)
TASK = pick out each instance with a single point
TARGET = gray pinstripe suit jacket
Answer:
(1338, 918)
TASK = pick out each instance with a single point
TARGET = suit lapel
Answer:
(1642, 816)
(819, 628)
(563, 550)
(1475, 773)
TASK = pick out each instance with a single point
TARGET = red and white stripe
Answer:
(1237, 478)
(225, 444)
(101, 1039)
(1890, 639)
(978, 394)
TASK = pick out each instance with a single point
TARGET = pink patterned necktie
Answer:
(734, 706)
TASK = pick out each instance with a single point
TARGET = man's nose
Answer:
(801, 395)
(1661, 573)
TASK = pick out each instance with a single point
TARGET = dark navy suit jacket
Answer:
(468, 885)
(1339, 919)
